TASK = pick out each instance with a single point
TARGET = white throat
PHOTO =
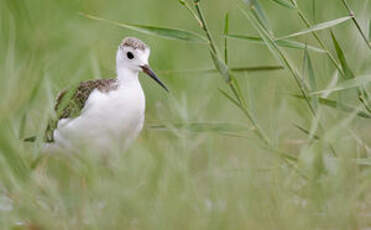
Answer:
(127, 76)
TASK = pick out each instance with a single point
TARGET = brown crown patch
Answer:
(134, 43)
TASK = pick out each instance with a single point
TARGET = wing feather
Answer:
(69, 103)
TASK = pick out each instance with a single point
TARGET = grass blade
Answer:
(314, 10)
(189, 9)
(232, 69)
(339, 106)
(217, 127)
(348, 74)
(282, 43)
(221, 66)
(284, 4)
(169, 33)
(275, 50)
(256, 68)
(318, 27)
(235, 102)
(226, 73)
(226, 31)
(308, 69)
(306, 131)
(348, 84)
(259, 13)
(356, 23)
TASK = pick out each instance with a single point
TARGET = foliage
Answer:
(267, 126)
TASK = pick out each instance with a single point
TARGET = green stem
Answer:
(205, 28)
(188, 7)
(354, 19)
(232, 83)
(316, 36)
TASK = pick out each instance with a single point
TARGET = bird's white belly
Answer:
(108, 121)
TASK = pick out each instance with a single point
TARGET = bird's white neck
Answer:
(127, 76)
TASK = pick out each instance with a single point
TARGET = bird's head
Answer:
(133, 55)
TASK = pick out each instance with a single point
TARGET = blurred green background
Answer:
(206, 168)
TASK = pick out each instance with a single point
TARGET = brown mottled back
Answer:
(69, 103)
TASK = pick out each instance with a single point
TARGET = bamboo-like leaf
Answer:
(22, 126)
(356, 23)
(206, 127)
(306, 131)
(259, 13)
(314, 10)
(229, 97)
(308, 69)
(348, 84)
(363, 161)
(282, 43)
(271, 44)
(348, 74)
(338, 106)
(220, 66)
(226, 31)
(318, 27)
(257, 68)
(284, 3)
(233, 69)
(169, 33)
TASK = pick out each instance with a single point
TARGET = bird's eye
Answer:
(130, 55)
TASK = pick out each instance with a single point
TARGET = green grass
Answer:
(267, 125)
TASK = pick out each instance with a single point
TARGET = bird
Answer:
(103, 114)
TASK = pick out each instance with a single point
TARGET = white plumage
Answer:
(110, 120)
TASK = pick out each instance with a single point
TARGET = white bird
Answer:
(105, 114)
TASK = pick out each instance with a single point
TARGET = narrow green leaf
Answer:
(220, 66)
(298, 45)
(338, 106)
(306, 131)
(22, 126)
(189, 9)
(169, 33)
(226, 31)
(233, 69)
(348, 84)
(206, 127)
(314, 10)
(356, 23)
(363, 161)
(348, 74)
(284, 3)
(256, 68)
(229, 97)
(259, 13)
(318, 27)
(282, 43)
(308, 70)
(246, 37)
(275, 50)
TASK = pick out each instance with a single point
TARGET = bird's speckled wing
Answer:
(69, 103)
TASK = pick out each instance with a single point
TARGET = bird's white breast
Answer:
(108, 120)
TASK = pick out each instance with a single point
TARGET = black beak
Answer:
(150, 73)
